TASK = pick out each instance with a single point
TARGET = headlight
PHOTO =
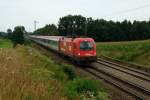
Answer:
(79, 54)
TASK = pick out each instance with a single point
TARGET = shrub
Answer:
(69, 71)
(102, 96)
(82, 85)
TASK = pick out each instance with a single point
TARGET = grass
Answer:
(134, 52)
(89, 89)
(26, 74)
(5, 43)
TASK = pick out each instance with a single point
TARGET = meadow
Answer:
(134, 51)
(5, 43)
(26, 74)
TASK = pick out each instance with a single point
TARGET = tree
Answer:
(49, 30)
(18, 35)
(98, 29)
(72, 25)
(9, 32)
(3, 34)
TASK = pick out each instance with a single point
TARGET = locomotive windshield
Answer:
(86, 45)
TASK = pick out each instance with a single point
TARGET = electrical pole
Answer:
(85, 27)
(73, 29)
(35, 23)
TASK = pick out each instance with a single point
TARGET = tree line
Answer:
(99, 29)
(102, 30)
(50, 29)
(3, 34)
(79, 26)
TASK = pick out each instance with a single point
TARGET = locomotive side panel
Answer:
(66, 47)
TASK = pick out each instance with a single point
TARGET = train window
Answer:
(86, 45)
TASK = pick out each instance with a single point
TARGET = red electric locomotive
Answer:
(79, 49)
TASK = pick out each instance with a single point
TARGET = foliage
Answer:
(70, 71)
(102, 30)
(102, 96)
(9, 32)
(81, 86)
(3, 34)
(98, 29)
(49, 30)
(72, 25)
(18, 35)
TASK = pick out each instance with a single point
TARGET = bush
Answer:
(82, 86)
(18, 35)
(102, 96)
(69, 71)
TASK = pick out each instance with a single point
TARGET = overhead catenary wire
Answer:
(126, 11)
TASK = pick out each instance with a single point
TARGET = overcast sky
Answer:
(24, 12)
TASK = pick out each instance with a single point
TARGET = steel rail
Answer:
(128, 71)
(123, 65)
(124, 82)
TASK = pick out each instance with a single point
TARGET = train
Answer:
(80, 50)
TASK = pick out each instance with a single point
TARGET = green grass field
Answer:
(134, 51)
(4, 43)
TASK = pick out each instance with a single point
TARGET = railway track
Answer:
(134, 66)
(124, 65)
(133, 82)
(134, 72)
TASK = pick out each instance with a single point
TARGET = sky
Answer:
(24, 12)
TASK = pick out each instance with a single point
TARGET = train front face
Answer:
(85, 50)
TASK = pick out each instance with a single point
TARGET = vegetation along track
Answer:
(134, 82)
(124, 85)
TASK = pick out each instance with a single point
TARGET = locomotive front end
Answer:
(86, 51)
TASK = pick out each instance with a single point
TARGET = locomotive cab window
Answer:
(86, 45)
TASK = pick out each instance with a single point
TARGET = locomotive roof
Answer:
(85, 39)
